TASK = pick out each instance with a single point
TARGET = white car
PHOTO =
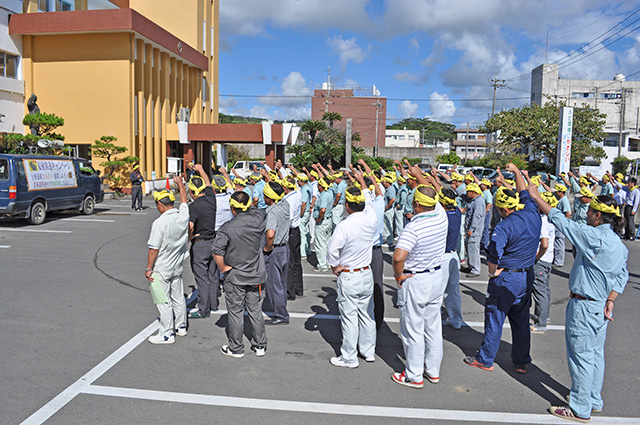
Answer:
(244, 168)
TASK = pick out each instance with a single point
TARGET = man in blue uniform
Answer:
(511, 255)
(598, 275)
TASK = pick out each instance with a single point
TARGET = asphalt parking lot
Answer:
(75, 312)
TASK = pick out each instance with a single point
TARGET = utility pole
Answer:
(622, 107)
(378, 105)
(327, 102)
(466, 143)
(495, 82)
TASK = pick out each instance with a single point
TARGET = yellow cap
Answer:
(472, 187)
(502, 200)
(549, 198)
(456, 177)
(485, 182)
(163, 194)
(302, 177)
(196, 189)
(585, 192)
(560, 188)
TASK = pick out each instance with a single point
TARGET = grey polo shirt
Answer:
(239, 241)
(278, 221)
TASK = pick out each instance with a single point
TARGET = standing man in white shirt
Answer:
(349, 256)
(417, 268)
(167, 251)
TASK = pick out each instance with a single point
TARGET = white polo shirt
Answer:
(425, 239)
(351, 242)
(295, 205)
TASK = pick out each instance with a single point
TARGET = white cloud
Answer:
(250, 17)
(347, 50)
(294, 88)
(408, 109)
(440, 106)
(407, 77)
(414, 43)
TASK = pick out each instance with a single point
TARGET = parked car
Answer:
(32, 185)
(244, 168)
(444, 167)
(507, 175)
(426, 168)
(481, 172)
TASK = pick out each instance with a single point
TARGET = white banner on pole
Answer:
(564, 140)
(286, 130)
(183, 132)
(266, 132)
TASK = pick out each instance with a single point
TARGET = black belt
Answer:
(580, 297)
(377, 247)
(423, 271)
(516, 270)
(447, 252)
(280, 244)
(202, 239)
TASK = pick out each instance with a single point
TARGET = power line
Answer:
(283, 96)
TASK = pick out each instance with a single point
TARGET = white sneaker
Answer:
(370, 359)
(227, 352)
(339, 361)
(161, 339)
(260, 350)
(182, 331)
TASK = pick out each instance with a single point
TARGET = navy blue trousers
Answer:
(508, 295)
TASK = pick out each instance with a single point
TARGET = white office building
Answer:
(617, 98)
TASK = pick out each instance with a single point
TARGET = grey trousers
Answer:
(473, 253)
(239, 298)
(387, 230)
(136, 197)
(541, 293)
(173, 313)
(277, 265)
(558, 249)
(206, 274)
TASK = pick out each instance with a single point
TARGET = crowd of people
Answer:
(249, 237)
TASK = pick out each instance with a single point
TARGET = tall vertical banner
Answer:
(564, 140)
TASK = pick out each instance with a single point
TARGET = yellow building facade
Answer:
(124, 68)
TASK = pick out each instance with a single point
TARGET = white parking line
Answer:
(13, 229)
(340, 409)
(386, 319)
(5, 246)
(97, 220)
(332, 276)
(49, 409)
(84, 386)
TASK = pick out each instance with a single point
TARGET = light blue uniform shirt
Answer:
(341, 188)
(563, 205)
(488, 197)
(402, 196)
(390, 194)
(408, 208)
(305, 191)
(325, 200)
(601, 261)
(607, 188)
(258, 192)
(580, 212)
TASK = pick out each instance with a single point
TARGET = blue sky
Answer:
(430, 58)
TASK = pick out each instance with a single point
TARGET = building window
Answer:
(43, 5)
(204, 36)
(204, 92)
(634, 145)
(63, 6)
(8, 65)
(583, 95)
(609, 95)
(211, 96)
(611, 143)
(212, 49)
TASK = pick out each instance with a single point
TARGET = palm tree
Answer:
(313, 127)
(331, 117)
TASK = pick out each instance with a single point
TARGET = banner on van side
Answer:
(45, 174)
